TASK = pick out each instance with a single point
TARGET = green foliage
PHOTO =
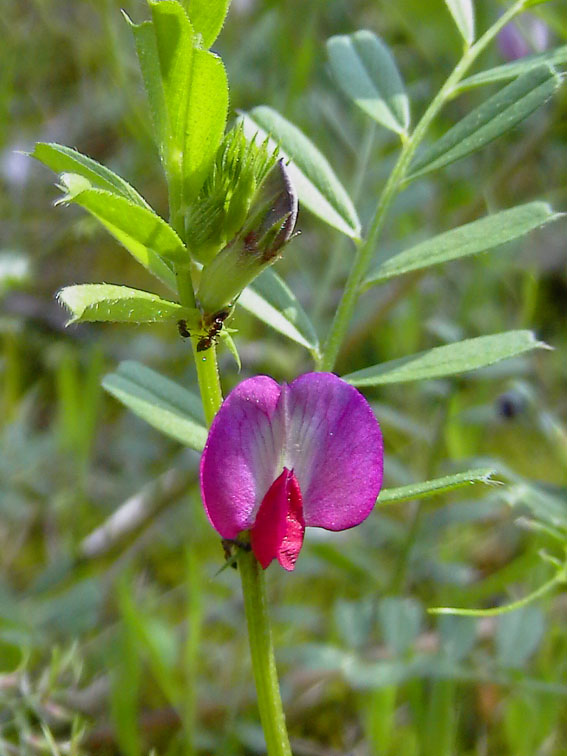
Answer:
(207, 17)
(159, 401)
(434, 487)
(555, 57)
(318, 188)
(272, 301)
(205, 120)
(495, 117)
(144, 234)
(63, 159)
(165, 50)
(400, 620)
(470, 239)
(451, 359)
(463, 15)
(136, 647)
(518, 634)
(224, 201)
(366, 73)
(257, 245)
(119, 304)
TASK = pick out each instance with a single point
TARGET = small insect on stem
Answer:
(213, 324)
(216, 324)
(182, 328)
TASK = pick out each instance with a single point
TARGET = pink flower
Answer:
(282, 457)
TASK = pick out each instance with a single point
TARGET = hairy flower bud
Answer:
(269, 227)
(224, 202)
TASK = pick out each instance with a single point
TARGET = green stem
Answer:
(208, 377)
(174, 172)
(205, 361)
(262, 653)
(254, 592)
(365, 248)
(253, 586)
(185, 285)
(558, 579)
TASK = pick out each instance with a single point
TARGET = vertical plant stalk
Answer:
(208, 377)
(262, 654)
(192, 648)
(254, 593)
(365, 248)
(205, 361)
(252, 576)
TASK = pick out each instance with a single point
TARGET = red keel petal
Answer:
(279, 526)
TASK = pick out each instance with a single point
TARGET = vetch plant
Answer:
(278, 458)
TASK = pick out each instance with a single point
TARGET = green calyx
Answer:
(223, 203)
(269, 226)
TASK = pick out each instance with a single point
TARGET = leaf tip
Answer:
(440, 610)
(485, 477)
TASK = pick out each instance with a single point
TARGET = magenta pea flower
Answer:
(282, 457)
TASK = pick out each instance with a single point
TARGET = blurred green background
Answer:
(143, 646)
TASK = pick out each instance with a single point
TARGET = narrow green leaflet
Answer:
(165, 51)
(107, 302)
(271, 300)
(205, 121)
(139, 229)
(63, 159)
(159, 401)
(499, 114)
(146, 47)
(555, 57)
(318, 188)
(436, 486)
(207, 17)
(228, 342)
(452, 359)
(366, 72)
(463, 15)
(470, 239)
(188, 94)
(144, 254)
(174, 43)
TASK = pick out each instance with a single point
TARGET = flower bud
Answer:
(224, 202)
(269, 227)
